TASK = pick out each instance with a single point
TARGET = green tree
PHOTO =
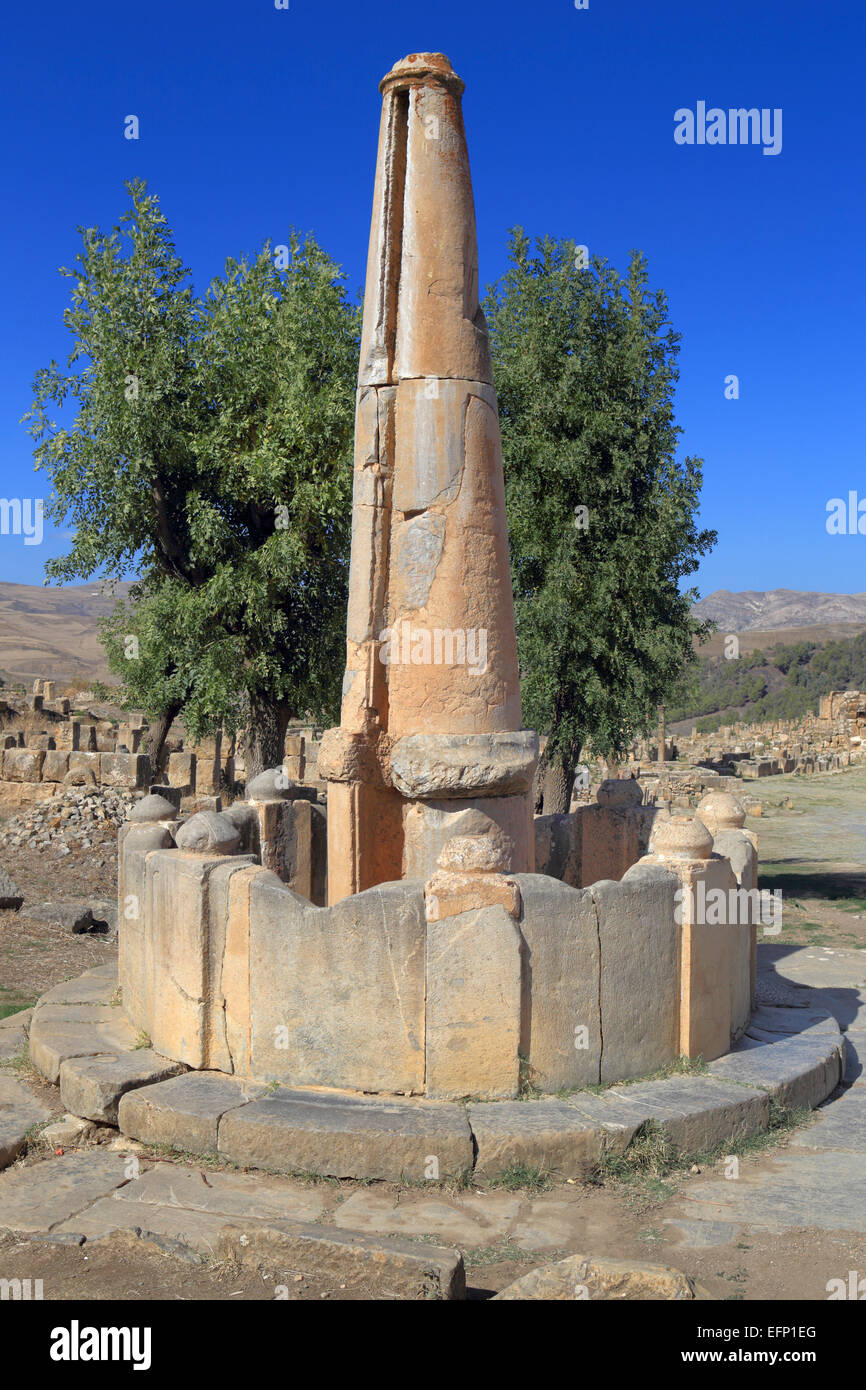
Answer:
(601, 514)
(209, 457)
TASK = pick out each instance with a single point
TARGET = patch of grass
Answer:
(527, 1089)
(506, 1252)
(141, 1042)
(680, 1066)
(12, 1001)
(521, 1177)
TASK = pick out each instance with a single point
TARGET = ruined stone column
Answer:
(430, 726)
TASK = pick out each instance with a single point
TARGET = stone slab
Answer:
(184, 1113)
(13, 1034)
(696, 1112)
(246, 1195)
(467, 1221)
(390, 1268)
(346, 1137)
(91, 988)
(92, 1086)
(798, 1190)
(542, 1134)
(798, 1071)
(19, 1111)
(53, 1040)
(42, 1197)
(840, 1124)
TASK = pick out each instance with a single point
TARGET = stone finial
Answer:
(469, 876)
(721, 811)
(616, 793)
(208, 832)
(464, 854)
(152, 808)
(681, 837)
(431, 67)
(271, 785)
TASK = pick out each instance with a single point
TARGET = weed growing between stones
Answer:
(521, 1177)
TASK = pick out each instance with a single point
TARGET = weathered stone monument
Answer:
(430, 742)
(465, 951)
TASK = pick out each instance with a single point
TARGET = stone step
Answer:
(184, 1113)
(19, 1112)
(92, 1086)
(347, 1136)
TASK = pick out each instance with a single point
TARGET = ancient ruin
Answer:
(318, 987)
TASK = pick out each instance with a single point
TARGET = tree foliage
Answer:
(209, 456)
(585, 367)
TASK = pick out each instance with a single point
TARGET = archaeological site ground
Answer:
(411, 888)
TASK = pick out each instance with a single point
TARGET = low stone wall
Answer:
(227, 964)
(36, 774)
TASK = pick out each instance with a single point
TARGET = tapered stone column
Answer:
(430, 742)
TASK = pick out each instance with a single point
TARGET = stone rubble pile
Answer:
(81, 818)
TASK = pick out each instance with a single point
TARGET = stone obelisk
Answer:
(429, 745)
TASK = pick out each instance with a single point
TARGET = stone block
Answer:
(92, 1086)
(561, 1034)
(543, 1134)
(55, 766)
(129, 770)
(639, 965)
(798, 1071)
(181, 770)
(135, 842)
(318, 977)
(697, 1112)
(23, 764)
(347, 1136)
(474, 1005)
(178, 952)
(184, 1113)
(56, 1035)
(390, 1268)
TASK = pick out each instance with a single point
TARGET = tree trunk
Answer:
(554, 783)
(265, 739)
(157, 735)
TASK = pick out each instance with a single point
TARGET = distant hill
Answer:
(52, 631)
(772, 609)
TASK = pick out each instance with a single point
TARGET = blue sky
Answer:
(254, 119)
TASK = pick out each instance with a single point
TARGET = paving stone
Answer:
(92, 1086)
(197, 1231)
(552, 1224)
(840, 1124)
(185, 1112)
(467, 1221)
(246, 1195)
(343, 1136)
(546, 1134)
(19, 1112)
(388, 1268)
(45, 1195)
(53, 1040)
(798, 1071)
(13, 1034)
(800, 1190)
(702, 1235)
